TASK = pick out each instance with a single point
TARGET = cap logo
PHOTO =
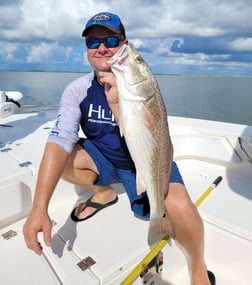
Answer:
(101, 17)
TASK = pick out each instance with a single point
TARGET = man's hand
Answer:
(111, 92)
(37, 221)
(110, 87)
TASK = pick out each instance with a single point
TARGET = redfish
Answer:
(143, 123)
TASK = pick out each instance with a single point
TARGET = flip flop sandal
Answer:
(211, 277)
(95, 205)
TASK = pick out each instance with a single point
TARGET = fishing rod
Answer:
(161, 243)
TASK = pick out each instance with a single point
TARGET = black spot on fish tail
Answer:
(158, 227)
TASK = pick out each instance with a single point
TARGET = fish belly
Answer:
(151, 151)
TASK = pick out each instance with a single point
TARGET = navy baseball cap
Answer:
(107, 20)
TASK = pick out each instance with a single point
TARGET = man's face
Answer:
(99, 57)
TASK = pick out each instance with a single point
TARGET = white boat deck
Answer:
(114, 238)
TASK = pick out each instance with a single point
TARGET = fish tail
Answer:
(158, 227)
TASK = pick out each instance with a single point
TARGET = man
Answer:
(103, 159)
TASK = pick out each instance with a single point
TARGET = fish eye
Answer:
(138, 59)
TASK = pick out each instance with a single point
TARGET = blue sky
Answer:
(174, 37)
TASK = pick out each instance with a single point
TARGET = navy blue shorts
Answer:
(109, 174)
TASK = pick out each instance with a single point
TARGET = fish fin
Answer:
(145, 116)
(158, 227)
(140, 185)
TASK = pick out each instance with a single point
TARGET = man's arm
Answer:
(51, 168)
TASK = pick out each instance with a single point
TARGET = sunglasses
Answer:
(109, 42)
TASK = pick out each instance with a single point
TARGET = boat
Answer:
(108, 248)
(9, 102)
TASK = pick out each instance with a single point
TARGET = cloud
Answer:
(53, 18)
(9, 15)
(241, 44)
(7, 51)
(172, 35)
(44, 52)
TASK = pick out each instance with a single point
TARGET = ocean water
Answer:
(218, 98)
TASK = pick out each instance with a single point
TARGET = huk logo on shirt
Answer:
(100, 115)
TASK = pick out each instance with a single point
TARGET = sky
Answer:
(174, 36)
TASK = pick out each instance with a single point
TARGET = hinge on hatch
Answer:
(10, 234)
(6, 149)
(25, 163)
(153, 268)
(86, 263)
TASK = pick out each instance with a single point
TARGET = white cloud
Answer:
(137, 43)
(199, 59)
(7, 50)
(50, 30)
(10, 16)
(55, 19)
(10, 49)
(241, 44)
(45, 52)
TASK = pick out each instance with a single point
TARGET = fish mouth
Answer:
(119, 61)
(120, 57)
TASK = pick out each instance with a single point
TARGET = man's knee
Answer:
(178, 199)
